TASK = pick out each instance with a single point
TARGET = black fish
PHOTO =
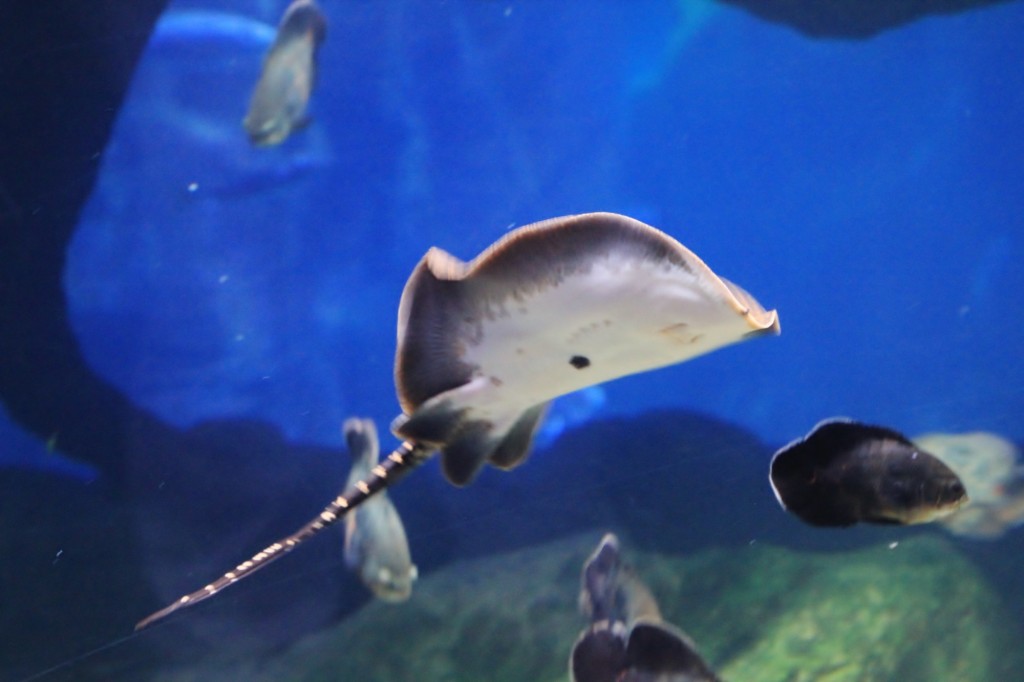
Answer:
(844, 472)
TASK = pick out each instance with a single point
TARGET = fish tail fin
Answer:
(404, 459)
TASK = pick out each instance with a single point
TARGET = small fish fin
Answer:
(638, 603)
(659, 647)
(515, 446)
(361, 440)
(462, 458)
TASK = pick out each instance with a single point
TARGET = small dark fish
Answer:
(278, 103)
(627, 641)
(844, 472)
(647, 652)
(376, 546)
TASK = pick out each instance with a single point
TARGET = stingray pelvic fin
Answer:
(516, 445)
(466, 444)
(404, 459)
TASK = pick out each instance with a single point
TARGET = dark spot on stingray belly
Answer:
(579, 361)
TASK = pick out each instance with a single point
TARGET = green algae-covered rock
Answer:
(911, 612)
(505, 618)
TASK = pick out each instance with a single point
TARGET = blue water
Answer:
(867, 190)
(871, 191)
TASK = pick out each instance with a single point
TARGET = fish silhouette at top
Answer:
(548, 309)
(278, 104)
(376, 547)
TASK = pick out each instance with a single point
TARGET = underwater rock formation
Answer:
(918, 611)
(852, 18)
(915, 612)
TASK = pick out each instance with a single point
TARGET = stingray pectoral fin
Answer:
(762, 322)
(427, 360)
(514, 448)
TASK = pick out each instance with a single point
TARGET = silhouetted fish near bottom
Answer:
(844, 472)
(647, 652)
(627, 640)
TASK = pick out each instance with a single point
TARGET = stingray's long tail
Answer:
(404, 459)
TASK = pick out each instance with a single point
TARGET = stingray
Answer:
(549, 309)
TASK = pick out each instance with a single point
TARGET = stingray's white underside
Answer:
(620, 317)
